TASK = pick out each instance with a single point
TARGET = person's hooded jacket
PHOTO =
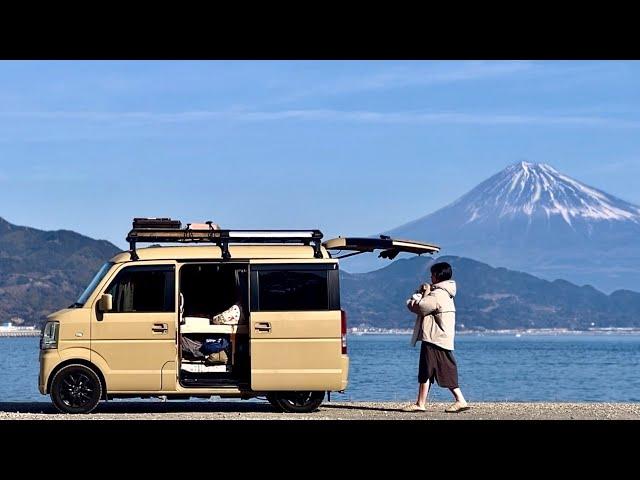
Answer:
(436, 315)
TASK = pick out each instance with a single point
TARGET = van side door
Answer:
(136, 340)
(295, 326)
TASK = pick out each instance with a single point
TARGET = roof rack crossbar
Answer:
(223, 238)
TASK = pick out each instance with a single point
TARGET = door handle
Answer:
(160, 327)
(263, 327)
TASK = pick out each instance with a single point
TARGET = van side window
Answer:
(293, 290)
(144, 289)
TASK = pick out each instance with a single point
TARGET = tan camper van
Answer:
(208, 312)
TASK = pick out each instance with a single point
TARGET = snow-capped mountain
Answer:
(531, 190)
(531, 217)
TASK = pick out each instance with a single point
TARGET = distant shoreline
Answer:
(517, 332)
(19, 333)
(394, 331)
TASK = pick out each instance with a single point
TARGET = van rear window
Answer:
(297, 288)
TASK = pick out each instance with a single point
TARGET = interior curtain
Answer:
(124, 295)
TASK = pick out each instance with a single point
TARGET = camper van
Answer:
(207, 312)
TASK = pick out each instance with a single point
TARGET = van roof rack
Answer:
(166, 230)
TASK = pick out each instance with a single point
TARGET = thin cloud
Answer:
(439, 118)
(356, 116)
(364, 116)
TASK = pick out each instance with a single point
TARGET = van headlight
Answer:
(49, 337)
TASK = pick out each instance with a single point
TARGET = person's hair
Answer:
(442, 271)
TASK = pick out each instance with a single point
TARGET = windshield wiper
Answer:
(76, 305)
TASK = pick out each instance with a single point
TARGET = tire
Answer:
(296, 402)
(76, 389)
(273, 400)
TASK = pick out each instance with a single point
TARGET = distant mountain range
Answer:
(41, 272)
(491, 298)
(532, 218)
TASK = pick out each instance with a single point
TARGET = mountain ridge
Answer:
(488, 297)
(538, 180)
(42, 271)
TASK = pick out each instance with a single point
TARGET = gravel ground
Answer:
(255, 410)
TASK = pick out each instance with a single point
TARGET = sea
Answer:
(492, 368)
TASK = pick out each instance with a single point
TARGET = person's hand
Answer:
(425, 288)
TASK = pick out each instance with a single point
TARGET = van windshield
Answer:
(91, 287)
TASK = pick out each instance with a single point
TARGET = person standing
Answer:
(435, 328)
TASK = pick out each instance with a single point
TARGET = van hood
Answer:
(66, 314)
(448, 286)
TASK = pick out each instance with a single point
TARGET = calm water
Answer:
(587, 368)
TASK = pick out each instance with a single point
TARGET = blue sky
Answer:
(349, 147)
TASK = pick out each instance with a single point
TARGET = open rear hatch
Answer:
(389, 247)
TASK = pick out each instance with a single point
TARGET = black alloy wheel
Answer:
(76, 389)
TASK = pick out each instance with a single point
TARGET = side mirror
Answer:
(105, 304)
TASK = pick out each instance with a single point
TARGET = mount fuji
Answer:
(532, 218)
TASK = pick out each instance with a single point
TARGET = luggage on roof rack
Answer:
(156, 223)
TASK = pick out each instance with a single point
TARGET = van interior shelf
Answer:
(166, 230)
(202, 325)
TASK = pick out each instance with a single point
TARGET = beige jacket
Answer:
(436, 315)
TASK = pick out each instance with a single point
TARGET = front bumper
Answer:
(49, 359)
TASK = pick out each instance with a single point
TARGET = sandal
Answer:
(414, 408)
(457, 407)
